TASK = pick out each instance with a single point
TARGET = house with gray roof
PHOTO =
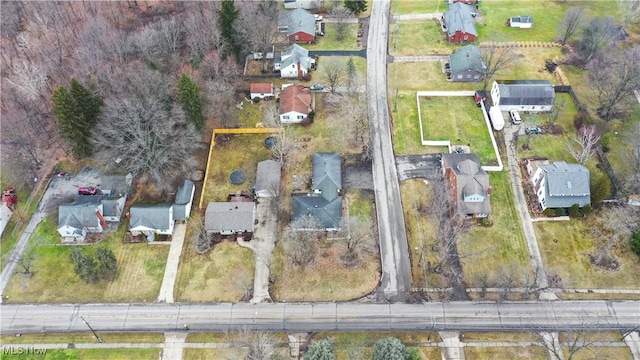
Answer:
(115, 185)
(268, 177)
(322, 208)
(468, 185)
(523, 95)
(151, 220)
(466, 65)
(303, 4)
(83, 216)
(293, 62)
(298, 25)
(561, 185)
(458, 22)
(228, 218)
(183, 201)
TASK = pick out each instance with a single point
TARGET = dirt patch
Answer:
(358, 176)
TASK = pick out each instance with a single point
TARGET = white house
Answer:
(81, 217)
(561, 185)
(523, 95)
(295, 104)
(151, 220)
(303, 4)
(261, 90)
(523, 22)
(293, 62)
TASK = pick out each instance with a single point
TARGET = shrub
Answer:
(549, 212)
(605, 142)
(574, 210)
(586, 210)
(635, 242)
(559, 211)
(486, 222)
(581, 118)
(600, 187)
(390, 348)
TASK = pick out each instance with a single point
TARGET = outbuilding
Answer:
(523, 22)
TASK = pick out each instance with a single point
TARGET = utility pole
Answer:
(90, 328)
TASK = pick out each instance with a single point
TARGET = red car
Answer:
(86, 190)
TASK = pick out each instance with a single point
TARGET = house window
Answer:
(533, 108)
(477, 77)
(297, 37)
(300, 117)
(466, 37)
(468, 76)
(286, 117)
(460, 76)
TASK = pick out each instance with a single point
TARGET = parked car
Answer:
(86, 190)
(515, 117)
(316, 87)
(533, 130)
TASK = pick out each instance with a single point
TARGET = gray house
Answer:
(468, 185)
(227, 218)
(184, 200)
(324, 205)
(81, 217)
(268, 179)
(466, 65)
(151, 220)
(561, 185)
(523, 95)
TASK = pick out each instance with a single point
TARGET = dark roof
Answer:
(230, 216)
(110, 207)
(566, 184)
(471, 180)
(298, 20)
(459, 16)
(327, 214)
(153, 217)
(526, 92)
(114, 184)
(81, 213)
(268, 175)
(184, 196)
(327, 174)
(468, 57)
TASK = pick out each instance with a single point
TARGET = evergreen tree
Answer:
(107, 264)
(320, 350)
(189, 95)
(356, 6)
(390, 348)
(85, 266)
(77, 112)
(352, 74)
(227, 15)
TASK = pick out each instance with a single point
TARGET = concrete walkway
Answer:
(173, 345)
(431, 16)
(523, 212)
(633, 342)
(171, 269)
(5, 215)
(418, 58)
(264, 240)
(452, 347)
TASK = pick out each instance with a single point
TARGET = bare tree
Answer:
(614, 75)
(201, 23)
(575, 340)
(258, 24)
(358, 240)
(333, 70)
(341, 15)
(200, 239)
(595, 36)
(24, 261)
(301, 241)
(261, 345)
(630, 11)
(632, 183)
(611, 228)
(556, 111)
(494, 61)
(283, 145)
(570, 23)
(584, 143)
(29, 79)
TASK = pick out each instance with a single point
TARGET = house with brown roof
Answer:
(261, 90)
(468, 185)
(295, 104)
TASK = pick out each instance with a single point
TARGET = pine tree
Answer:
(390, 348)
(356, 6)
(107, 264)
(189, 95)
(320, 350)
(77, 112)
(227, 15)
(85, 266)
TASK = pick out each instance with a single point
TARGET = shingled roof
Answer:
(526, 92)
(230, 216)
(459, 16)
(327, 174)
(566, 184)
(298, 20)
(156, 217)
(468, 57)
(295, 98)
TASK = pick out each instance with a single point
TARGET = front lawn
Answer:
(423, 37)
(330, 39)
(460, 121)
(92, 354)
(403, 7)
(140, 271)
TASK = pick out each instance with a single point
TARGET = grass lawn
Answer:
(92, 354)
(359, 345)
(224, 274)
(591, 352)
(487, 250)
(423, 37)
(460, 121)
(403, 7)
(515, 352)
(140, 271)
(87, 337)
(499, 336)
(360, 63)
(569, 257)
(330, 39)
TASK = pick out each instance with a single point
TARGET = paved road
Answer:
(394, 251)
(453, 316)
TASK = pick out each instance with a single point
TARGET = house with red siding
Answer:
(459, 23)
(299, 26)
(468, 185)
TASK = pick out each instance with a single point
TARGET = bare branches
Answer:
(630, 11)
(358, 241)
(283, 145)
(570, 23)
(340, 15)
(611, 228)
(584, 143)
(333, 70)
(495, 60)
(595, 36)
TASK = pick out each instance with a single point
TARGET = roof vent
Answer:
(569, 184)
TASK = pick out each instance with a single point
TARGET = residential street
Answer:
(394, 251)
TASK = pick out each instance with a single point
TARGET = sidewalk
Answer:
(432, 16)
(418, 58)
(171, 269)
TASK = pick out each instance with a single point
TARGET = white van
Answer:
(515, 117)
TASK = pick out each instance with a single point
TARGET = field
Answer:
(418, 38)
(330, 40)
(140, 271)
(460, 121)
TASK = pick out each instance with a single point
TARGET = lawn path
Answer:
(171, 269)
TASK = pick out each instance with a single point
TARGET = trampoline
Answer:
(237, 177)
(270, 141)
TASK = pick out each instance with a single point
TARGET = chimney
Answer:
(103, 222)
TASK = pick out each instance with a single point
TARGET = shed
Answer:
(184, 200)
(523, 95)
(497, 120)
(523, 22)
(261, 90)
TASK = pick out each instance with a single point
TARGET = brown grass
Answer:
(499, 336)
(87, 337)
(516, 352)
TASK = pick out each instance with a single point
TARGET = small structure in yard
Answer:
(324, 204)
(295, 104)
(560, 185)
(497, 119)
(268, 177)
(261, 91)
(303, 4)
(183, 201)
(466, 65)
(522, 22)
(151, 221)
(237, 177)
(523, 95)
(293, 62)
(633, 200)
(270, 141)
(298, 25)
(230, 218)
(10, 198)
(459, 23)
(468, 185)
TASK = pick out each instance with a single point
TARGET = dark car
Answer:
(533, 130)
(316, 87)
(86, 190)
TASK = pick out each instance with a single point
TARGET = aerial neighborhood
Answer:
(386, 179)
